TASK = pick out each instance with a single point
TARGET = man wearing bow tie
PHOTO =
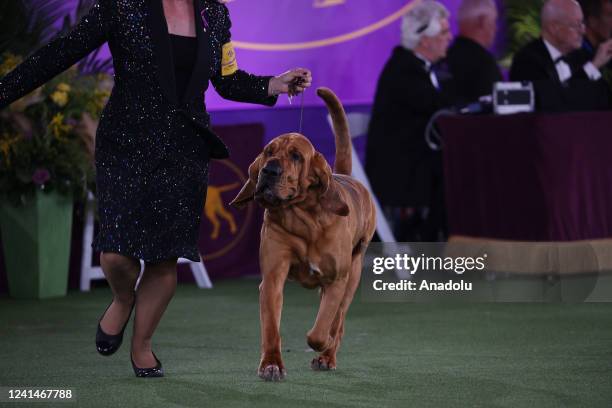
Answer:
(562, 82)
(405, 174)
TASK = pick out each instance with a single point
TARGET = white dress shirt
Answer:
(563, 69)
(432, 75)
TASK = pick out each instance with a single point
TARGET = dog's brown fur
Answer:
(317, 226)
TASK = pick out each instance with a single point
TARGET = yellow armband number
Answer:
(228, 61)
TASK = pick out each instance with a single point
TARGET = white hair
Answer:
(423, 20)
(470, 9)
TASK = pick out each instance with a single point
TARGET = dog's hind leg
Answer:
(327, 359)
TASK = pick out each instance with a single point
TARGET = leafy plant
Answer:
(523, 22)
(47, 137)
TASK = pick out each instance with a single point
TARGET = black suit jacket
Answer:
(473, 68)
(534, 63)
(137, 125)
(399, 164)
(586, 54)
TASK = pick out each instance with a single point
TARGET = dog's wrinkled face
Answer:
(280, 170)
(284, 172)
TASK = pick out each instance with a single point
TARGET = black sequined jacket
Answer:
(137, 122)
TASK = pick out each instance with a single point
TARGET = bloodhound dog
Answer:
(317, 226)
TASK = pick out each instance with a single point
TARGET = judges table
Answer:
(529, 177)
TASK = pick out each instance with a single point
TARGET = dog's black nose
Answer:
(272, 169)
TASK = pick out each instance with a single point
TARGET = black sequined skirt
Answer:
(153, 215)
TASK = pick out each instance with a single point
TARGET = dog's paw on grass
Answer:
(322, 363)
(272, 372)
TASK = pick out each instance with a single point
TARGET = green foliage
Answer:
(523, 21)
(46, 138)
(43, 141)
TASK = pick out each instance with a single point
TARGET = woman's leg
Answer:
(156, 288)
(121, 273)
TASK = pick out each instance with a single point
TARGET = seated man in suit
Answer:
(561, 83)
(472, 66)
(406, 175)
(598, 18)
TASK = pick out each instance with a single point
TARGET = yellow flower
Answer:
(101, 93)
(63, 87)
(101, 96)
(58, 128)
(60, 98)
(9, 62)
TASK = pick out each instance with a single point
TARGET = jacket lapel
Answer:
(549, 64)
(162, 49)
(199, 76)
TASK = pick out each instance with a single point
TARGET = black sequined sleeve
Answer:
(57, 56)
(241, 86)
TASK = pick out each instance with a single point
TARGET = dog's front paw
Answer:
(322, 363)
(272, 372)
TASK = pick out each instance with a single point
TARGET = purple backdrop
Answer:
(344, 42)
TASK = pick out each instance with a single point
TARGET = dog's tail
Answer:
(343, 163)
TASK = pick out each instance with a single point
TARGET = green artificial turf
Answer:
(393, 355)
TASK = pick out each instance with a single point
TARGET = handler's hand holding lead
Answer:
(291, 82)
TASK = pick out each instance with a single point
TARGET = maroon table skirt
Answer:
(529, 177)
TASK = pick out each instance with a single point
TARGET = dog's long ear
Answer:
(320, 173)
(248, 189)
(329, 194)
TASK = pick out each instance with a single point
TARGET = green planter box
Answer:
(36, 243)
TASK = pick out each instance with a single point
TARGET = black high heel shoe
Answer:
(108, 344)
(150, 372)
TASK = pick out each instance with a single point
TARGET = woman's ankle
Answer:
(115, 317)
(143, 357)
